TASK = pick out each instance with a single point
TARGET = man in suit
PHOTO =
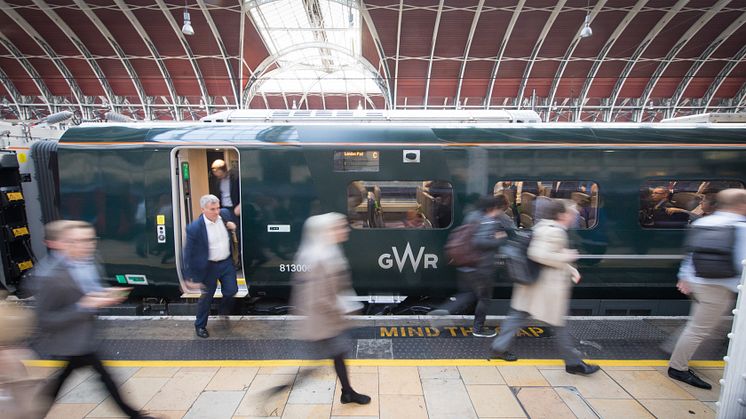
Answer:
(657, 213)
(68, 294)
(207, 259)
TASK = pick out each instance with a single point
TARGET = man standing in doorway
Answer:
(207, 260)
(227, 185)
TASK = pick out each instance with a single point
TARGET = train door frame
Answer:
(181, 220)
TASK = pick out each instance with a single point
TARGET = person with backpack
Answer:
(710, 273)
(548, 298)
(484, 231)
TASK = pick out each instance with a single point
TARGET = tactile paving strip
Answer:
(595, 339)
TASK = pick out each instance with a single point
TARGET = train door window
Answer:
(526, 199)
(674, 203)
(400, 204)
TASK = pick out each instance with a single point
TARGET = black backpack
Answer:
(711, 248)
(460, 246)
(519, 267)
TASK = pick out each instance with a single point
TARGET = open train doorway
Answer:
(198, 171)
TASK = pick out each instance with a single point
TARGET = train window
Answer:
(399, 204)
(526, 198)
(356, 161)
(676, 203)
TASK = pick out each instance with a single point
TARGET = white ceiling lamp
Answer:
(187, 29)
(587, 31)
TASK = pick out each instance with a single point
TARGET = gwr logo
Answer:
(386, 260)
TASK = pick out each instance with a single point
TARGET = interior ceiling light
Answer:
(587, 31)
(187, 29)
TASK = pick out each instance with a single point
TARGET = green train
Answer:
(404, 179)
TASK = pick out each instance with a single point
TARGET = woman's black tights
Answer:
(341, 370)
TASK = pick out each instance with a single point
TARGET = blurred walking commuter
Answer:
(710, 273)
(68, 294)
(548, 298)
(492, 227)
(16, 387)
(319, 288)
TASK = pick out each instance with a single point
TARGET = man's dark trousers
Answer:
(226, 273)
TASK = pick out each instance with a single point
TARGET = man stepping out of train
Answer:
(207, 260)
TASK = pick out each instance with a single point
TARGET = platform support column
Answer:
(732, 402)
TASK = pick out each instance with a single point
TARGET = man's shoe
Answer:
(688, 377)
(484, 332)
(202, 332)
(504, 355)
(582, 368)
(353, 397)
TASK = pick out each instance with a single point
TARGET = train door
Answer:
(193, 177)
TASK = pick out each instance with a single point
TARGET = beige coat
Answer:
(315, 297)
(548, 298)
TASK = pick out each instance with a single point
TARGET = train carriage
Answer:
(404, 182)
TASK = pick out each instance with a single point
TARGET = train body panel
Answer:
(129, 180)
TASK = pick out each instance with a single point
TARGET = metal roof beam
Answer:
(365, 15)
(15, 95)
(568, 54)
(398, 46)
(120, 54)
(673, 51)
(706, 54)
(432, 52)
(724, 73)
(192, 60)
(80, 45)
(223, 51)
(601, 58)
(469, 40)
(740, 98)
(30, 70)
(154, 52)
(49, 51)
(537, 47)
(501, 51)
(673, 11)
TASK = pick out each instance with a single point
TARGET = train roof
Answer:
(392, 128)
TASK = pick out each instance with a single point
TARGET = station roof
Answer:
(646, 59)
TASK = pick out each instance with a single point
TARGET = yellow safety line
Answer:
(379, 363)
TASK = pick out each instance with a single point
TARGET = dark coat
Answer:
(64, 328)
(234, 186)
(486, 243)
(197, 247)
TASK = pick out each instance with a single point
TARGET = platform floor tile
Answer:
(494, 401)
(447, 398)
(402, 406)
(70, 411)
(619, 409)
(307, 411)
(136, 391)
(399, 381)
(261, 401)
(522, 376)
(598, 385)
(699, 393)
(575, 401)
(481, 375)
(649, 385)
(362, 383)
(180, 392)
(232, 379)
(543, 403)
(677, 409)
(215, 405)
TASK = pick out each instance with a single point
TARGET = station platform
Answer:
(412, 367)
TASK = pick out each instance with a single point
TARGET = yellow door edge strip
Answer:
(378, 363)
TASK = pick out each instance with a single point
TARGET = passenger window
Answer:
(526, 199)
(400, 204)
(676, 203)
